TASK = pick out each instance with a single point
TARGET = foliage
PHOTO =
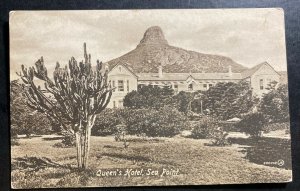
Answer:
(205, 128)
(164, 122)
(120, 135)
(120, 132)
(253, 124)
(275, 104)
(228, 100)
(276, 126)
(73, 98)
(68, 141)
(183, 101)
(219, 138)
(14, 141)
(149, 97)
(25, 120)
(106, 122)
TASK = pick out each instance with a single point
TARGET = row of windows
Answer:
(190, 86)
(120, 86)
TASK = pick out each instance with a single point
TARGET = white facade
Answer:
(125, 81)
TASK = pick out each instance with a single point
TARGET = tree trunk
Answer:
(79, 149)
(86, 148)
(83, 147)
(83, 141)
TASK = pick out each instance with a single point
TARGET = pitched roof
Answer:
(125, 66)
(184, 76)
(251, 71)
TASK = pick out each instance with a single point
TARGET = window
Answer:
(114, 104)
(120, 68)
(261, 84)
(127, 85)
(190, 87)
(113, 85)
(204, 85)
(120, 85)
(120, 103)
(210, 85)
(176, 87)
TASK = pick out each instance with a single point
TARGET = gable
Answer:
(121, 70)
(265, 69)
(190, 79)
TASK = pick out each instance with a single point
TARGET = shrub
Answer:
(253, 124)
(106, 122)
(228, 100)
(276, 126)
(165, 122)
(149, 97)
(219, 138)
(14, 142)
(204, 129)
(275, 104)
(67, 141)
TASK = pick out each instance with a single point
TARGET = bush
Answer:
(67, 141)
(204, 129)
(220, 138)
(276, 126)
(275, 104)
(14, 141)
(228, 100)
(253, 124)
(106, 122)
(164, 122)
(149, 97)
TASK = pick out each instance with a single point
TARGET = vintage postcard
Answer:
(115, 98)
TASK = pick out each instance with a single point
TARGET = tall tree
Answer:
(227, 100)
(149, 97)
(74, 97)
(183, 101)
(275, 104)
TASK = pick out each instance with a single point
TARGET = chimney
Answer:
(229, 70)
(160, 72)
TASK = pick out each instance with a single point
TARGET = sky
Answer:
(248, 36)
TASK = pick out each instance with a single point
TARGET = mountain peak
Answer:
(153, 51)
(153, 35)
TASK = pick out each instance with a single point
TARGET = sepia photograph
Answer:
(116, 98)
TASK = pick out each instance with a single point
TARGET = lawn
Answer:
(184, 161)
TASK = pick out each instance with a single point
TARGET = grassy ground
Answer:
(36, 163)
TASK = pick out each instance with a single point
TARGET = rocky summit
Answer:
(154, 50)
(153, 36)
